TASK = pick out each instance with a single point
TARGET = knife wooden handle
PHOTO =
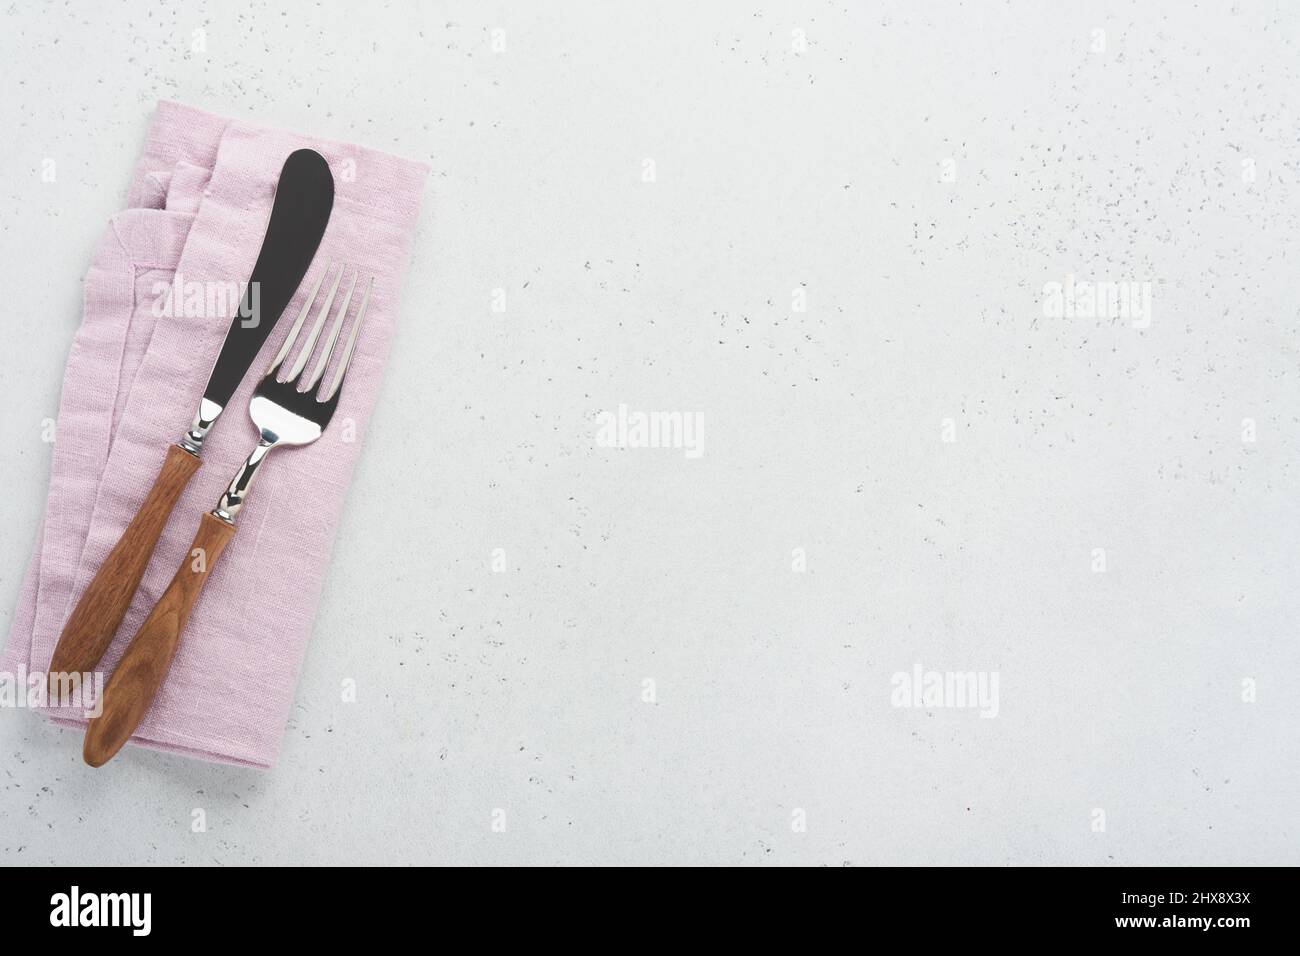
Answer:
(94, 621)
(147, 659)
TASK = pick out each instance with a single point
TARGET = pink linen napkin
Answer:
(200, 198)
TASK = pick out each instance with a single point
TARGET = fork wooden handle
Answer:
(147, 659)
(97, 615)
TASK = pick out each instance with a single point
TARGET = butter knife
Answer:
(304, 198)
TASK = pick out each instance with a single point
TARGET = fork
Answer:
(285, 413)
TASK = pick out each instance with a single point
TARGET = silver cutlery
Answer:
(304, 198)
(289, 412)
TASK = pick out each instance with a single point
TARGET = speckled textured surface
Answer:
(840, 263)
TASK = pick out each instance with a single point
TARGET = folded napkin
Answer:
(199, 203)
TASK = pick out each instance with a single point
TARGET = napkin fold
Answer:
(198, 206)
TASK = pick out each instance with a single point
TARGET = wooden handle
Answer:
(93, 623)
(147, 659)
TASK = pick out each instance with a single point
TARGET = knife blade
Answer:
(304, 199)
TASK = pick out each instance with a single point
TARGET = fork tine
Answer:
(310, 344)
(333, 336)
(352, 341)
(302, 314)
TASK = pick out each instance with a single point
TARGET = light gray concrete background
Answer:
(921, 172)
